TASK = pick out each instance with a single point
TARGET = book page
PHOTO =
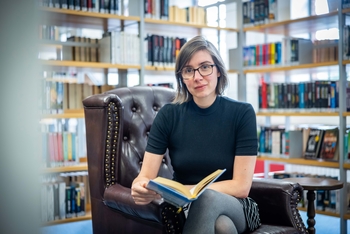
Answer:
(206, 181)
(174, 185)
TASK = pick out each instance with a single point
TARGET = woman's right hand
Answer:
(141, 194)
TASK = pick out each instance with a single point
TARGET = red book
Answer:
(265, 54)
(263, 93)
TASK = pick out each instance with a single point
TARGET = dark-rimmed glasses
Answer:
(204, 70)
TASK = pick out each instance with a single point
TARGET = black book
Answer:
(313, 144)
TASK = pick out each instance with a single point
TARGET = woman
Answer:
(203, 132)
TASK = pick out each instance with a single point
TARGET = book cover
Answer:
(178, 194)
(313, 145)
(329, 148)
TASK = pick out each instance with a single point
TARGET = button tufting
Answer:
(125, 138)
(133, 109)
(155, 108)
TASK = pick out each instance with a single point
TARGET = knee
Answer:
(208, 195)
(224, 225)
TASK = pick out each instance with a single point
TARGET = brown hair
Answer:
(185, 55)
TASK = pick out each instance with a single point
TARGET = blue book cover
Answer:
(178, 194)
(301, 95)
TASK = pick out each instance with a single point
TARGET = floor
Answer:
(324, 225)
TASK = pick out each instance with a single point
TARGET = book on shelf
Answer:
(119, 47)
(101, 6)
(257, 12)
(329, 148)
(313, 95)
(162, 50)
(178, 194)
(314, 142)
(346, 146)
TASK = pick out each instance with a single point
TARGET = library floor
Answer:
(324, 225)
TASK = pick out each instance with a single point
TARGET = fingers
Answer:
(142, 195)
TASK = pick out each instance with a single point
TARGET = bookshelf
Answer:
(304, 25)
(104, 22)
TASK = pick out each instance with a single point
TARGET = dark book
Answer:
(155, 50)
(313, 144)
(69, 213)
(84, 5)
(77, 5)
(64, 4)
(329, 147)
(161, 51)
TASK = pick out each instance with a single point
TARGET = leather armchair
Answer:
(117, 125)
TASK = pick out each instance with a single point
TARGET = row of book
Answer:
(318, 95)
(162, 50)
(49, 32)
(325, 51)
(119, 47)
(192, 15)
(325, 200)
(87, 51)
(65, 196)
(63, 142)
(156, 9)
(256, 12)
(289, 51)
(102, 6)
(60, 96)
(314, 142)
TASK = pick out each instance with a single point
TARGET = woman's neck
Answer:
(204, 102)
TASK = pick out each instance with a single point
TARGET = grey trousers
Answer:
(215, 213)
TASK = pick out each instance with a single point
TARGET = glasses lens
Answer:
(205, 69)
(187, 73)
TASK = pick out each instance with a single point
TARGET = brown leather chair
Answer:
(117, 125)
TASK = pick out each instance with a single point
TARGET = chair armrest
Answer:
(119, 197)
(277, 201)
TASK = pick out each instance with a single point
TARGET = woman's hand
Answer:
(142, 195)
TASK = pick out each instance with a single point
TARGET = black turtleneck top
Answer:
(201, 141)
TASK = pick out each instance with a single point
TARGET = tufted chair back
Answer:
(117, 127)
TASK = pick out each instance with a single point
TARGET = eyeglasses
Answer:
(204, 70)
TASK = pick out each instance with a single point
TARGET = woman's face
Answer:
(201, 87)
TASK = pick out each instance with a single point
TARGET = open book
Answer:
(178, 194)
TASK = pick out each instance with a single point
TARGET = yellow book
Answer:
(178, 194)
